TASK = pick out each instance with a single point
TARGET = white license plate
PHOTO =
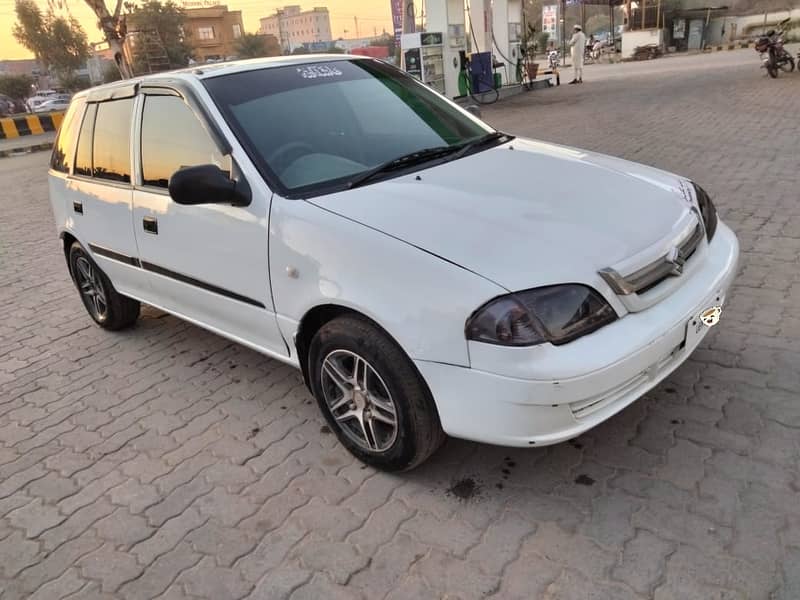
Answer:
(697, 325)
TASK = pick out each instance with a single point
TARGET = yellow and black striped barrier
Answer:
(19, 125)
(740, 45)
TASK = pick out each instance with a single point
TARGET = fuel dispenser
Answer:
(423, 56)
(448, 16)
(466, 43)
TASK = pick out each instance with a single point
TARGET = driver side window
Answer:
(173, 137)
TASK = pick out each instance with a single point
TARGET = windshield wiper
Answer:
(401, 162)
(426, 154)
(484, 140)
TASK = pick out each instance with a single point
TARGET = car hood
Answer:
(525, 213)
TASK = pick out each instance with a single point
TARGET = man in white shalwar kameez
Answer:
(578, 45)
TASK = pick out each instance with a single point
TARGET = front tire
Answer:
(372, 396)
(107, 307)
(772, 70)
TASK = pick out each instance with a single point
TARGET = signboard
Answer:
(199, 3)
(397, 20)
(550, 20)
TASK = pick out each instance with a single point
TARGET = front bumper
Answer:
(515, 411)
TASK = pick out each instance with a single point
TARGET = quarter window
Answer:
(112, 140)
(83, 156)
(63, 152)
(173, 137)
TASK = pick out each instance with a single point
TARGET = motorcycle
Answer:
(774, 56)
(553, 60)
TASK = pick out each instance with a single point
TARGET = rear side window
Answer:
(173, 137)
(64, 148)
(112, 140)
(83, 156)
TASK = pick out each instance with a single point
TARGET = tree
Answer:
(164, 22)
(72, 82)
(251, 45)
(17, 87)
(111, 73)
(59, 43)
(541, 40)
(598, 23)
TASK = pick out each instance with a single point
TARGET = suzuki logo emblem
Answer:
(676, 260)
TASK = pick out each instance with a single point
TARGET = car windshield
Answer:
(318, 127)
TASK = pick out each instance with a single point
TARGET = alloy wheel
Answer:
(91, 288)
(359, 400)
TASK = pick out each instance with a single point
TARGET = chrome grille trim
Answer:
(668, 265)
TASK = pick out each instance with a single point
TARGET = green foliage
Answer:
(165, 23)
(16, 86)
(72, 82)
(334, 49)
(251, 45)
(111, 73)
(300, 50)
(385, 40)
(59, 43)
(597, 24)
(542, 38)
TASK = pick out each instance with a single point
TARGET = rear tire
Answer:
(107, 307)
(372, 395)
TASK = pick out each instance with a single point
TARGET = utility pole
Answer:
(356, 21)
(563, 17)
(409, 16)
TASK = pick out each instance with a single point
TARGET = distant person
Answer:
(578, 46)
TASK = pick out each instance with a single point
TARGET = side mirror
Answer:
(474, 110)
(207, 184)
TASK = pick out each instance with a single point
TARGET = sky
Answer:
(373, 15)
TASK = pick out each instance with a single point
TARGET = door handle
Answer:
(150, 225)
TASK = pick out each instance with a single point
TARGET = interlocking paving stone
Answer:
(139, 464)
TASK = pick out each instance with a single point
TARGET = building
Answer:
(213, 32)
(350, 44)
(295, 27)
(22, 66)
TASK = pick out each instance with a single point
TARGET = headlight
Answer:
(707, 210)
(557, 314)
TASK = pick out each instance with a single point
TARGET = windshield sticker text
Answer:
(315, 71)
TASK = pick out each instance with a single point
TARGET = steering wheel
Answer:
(286, 154)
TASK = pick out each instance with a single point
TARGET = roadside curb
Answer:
(733, 46)
(22, 125)
(26, 149)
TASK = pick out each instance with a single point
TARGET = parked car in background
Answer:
(9, 106)
(338, 215)
(38, 98)
(54, 103)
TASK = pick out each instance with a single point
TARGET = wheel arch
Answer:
(67, 239)
(317, 317)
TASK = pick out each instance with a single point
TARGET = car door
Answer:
(206, 262)
(100, 196)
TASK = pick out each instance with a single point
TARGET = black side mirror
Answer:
(207, 184)
(474, 110)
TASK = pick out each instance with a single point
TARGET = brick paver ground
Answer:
(168, 462)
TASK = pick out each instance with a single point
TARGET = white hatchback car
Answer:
(336, 214)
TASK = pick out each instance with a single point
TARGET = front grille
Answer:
(670, 265)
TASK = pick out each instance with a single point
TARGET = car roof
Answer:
(206, 71)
